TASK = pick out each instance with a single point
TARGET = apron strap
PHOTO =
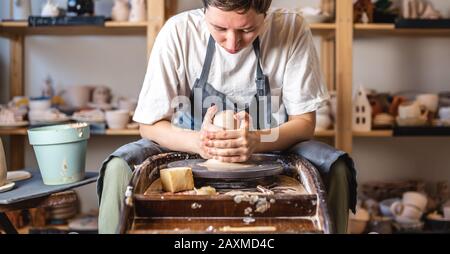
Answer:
(257, 48)
(208, 60)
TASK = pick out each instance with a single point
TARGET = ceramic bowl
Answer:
(117, 119)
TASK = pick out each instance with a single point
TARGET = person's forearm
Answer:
(289, 134)
(171, 137)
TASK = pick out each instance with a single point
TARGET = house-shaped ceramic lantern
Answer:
(362, 112)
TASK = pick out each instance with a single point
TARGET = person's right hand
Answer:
(207, 126)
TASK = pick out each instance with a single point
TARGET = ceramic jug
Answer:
(21, 9)
(120, 11)
(138, 11)
(3, 170)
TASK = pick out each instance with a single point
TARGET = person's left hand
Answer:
(233, 146)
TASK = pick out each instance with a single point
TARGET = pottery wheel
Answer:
(211, 170)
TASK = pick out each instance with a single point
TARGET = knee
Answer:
(340, 169)
(117, 171)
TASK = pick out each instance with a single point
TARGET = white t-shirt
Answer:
(289, 59)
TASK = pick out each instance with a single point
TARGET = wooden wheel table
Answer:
(259, 210)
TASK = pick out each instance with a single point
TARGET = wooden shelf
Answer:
(322, 26)
(323, 29)
(13, 131)
(110, 28)
(375, 134)
(23, 132)
(389, 29)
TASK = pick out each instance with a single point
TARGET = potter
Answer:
(226, 51)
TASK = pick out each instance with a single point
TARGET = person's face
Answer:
(233, 30)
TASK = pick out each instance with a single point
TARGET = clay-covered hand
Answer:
(233, 146)
(207, 127)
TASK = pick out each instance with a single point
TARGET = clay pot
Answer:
(226, 120)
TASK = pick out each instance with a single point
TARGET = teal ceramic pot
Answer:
(61, 152)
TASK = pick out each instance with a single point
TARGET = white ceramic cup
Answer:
(117, 119)
(409, 110)
(401, 210)
(3, 171)
(430, 101)
(416, 199)
(444, 113)
(40, 105)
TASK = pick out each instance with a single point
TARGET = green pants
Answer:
(118, 175)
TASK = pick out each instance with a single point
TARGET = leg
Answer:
(117, 177)
(339, 176)
(338, 195)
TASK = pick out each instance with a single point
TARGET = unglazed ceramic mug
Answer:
(410, 110)
(416, 199)
(406, 212)
(430, 101)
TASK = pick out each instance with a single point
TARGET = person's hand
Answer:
(207, 127)
(233, 146)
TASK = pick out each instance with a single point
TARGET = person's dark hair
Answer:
(243, 6)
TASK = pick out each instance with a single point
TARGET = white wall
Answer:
(388, 64)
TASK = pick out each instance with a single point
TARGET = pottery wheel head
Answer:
(228, 171)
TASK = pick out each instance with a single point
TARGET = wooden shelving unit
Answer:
(110, 28)
(336, 62)
(16, 32)
(132, 132)
(389, 29)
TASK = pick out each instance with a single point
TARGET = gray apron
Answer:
(319, 154)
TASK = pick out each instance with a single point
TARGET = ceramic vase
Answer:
(120, 11)
(138, 11)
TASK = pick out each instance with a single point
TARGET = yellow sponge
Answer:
(177, 179)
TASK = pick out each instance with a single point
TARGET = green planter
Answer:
(61, 152)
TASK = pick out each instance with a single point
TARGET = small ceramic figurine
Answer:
(120, 11)
(48, 90)
(50, 9)
(138, 11)
(363, 11)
